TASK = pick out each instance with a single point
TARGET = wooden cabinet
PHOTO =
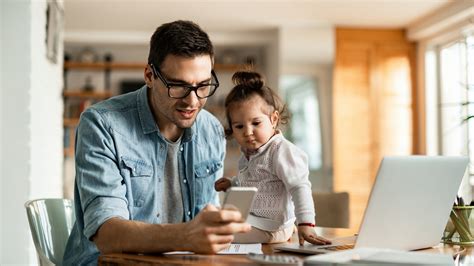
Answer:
(373, 108)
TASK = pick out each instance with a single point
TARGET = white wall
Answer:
(31, 122)
(46, 109)
(2, 23)
(307, 45)
(267, 39)
(272, 59)
(15, 136)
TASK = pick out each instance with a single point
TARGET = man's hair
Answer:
(180, 38)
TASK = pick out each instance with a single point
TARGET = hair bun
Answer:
(248, 79)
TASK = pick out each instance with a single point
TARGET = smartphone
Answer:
(240, 198)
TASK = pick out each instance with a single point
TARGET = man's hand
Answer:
(212, 230)
(222, 184)
(307, 233)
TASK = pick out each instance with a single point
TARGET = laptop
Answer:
(408, 207)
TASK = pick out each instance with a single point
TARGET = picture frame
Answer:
(54, 27)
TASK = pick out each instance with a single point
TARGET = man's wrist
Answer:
(181, 243)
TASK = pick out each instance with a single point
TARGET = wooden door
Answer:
(372, 108)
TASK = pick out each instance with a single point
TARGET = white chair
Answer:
(51, 222)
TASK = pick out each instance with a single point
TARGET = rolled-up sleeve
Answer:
(100, 185)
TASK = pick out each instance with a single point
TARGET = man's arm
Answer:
(210, 231)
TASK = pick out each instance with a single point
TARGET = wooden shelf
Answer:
(70, 122)
(139, 66)
(231, 67)
(103, 66)
(87, 94)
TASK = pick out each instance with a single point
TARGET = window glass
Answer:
(468, 84)
(431, 98)
(304, 129)
(453, 95)
(456, 130)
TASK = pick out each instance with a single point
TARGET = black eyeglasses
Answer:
(180, 90)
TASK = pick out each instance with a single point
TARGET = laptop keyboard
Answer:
(340, 247)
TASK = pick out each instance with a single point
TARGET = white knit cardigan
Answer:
(279, 170)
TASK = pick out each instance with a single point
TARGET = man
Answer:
(146, 161)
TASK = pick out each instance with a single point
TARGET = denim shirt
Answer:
(120, 160)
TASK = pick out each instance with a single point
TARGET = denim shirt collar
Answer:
(148, 121)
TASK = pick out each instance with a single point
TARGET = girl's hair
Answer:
(248, 84)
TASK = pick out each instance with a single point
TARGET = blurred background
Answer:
(363, 79)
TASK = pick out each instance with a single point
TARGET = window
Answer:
(304, 128)
(450, 102)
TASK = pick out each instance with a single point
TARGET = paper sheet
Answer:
(232, 249)
(242, 249)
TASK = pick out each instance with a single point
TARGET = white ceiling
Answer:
(134, 21)
(145, 15)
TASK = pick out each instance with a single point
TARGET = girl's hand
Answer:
(222, 184)
(307, 233)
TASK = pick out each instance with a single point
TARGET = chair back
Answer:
(51, 222)
(332, 209)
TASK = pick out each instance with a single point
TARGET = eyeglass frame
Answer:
(157, 73)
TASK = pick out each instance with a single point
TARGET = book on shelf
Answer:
(74, 108)
(67, 137)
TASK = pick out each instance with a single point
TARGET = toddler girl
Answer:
(269, 162)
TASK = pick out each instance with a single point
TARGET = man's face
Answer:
(172, 114)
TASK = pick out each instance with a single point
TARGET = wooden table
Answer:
(462, 255)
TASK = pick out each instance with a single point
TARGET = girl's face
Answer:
(253, 122)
